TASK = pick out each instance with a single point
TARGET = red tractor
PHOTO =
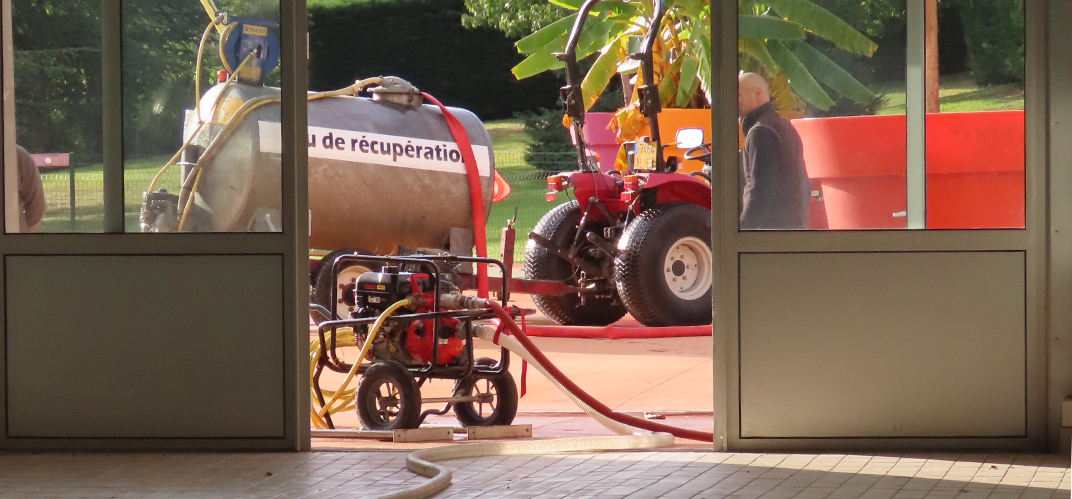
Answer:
(636, 241)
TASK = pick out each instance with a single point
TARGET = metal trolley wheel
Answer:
(497, 404)
(388, 398)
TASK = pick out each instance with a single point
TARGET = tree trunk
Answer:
(931, 48)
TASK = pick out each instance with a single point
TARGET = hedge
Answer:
(423, 42)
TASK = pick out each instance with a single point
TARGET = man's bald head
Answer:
(752, 92)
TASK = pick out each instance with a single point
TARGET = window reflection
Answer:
(57, 81)
(848, 105)
(828, 150)
(975, 125)
(194, 158)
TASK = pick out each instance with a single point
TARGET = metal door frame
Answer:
(291, 244)
(1032, 240)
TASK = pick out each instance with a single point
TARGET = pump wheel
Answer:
(498, 404)
(321, 293)
(388, 398)
(664, 266)
(559, 226)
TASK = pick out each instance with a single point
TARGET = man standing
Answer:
(775, 183)
(31, 193)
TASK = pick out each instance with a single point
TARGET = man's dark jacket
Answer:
(776, 187)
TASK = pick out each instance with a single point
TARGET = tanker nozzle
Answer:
(397, 91)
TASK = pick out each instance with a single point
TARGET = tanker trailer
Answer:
(384, 170)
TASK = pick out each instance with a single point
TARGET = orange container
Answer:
(975, 169)
(602, 141)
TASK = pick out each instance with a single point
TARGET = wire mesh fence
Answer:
(78, 206)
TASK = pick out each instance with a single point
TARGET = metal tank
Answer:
(359, 196)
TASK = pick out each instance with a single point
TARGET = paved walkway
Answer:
(670, 474)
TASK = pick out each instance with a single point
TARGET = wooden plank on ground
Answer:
(424, 435)
(496, 432)
(369, 434)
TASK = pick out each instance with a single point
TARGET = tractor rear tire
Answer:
(559, 226)
(388, 398)
(664, 266)
(322, 278)
(499, 411)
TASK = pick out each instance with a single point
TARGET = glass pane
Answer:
(58, 114)
(205, 148)
(975, 126)
(843, 95)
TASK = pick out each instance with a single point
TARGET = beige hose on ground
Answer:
(423, 462)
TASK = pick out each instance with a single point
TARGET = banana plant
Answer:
(771, 40)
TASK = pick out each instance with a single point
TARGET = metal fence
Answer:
(78, 206)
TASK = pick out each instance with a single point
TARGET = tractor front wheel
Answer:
(346, 283)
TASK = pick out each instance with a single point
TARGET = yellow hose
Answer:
(210, 9)
(248, 107)
(201, 124)
(339, 394)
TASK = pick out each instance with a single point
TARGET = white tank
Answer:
(381, 174)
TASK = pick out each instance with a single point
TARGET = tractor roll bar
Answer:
(648, 93)
(572, 98)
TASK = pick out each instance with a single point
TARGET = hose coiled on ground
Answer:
(424, 462)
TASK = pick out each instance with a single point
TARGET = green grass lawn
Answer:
(508, 136)
(957, 93)
(528, 197)
(89, 191)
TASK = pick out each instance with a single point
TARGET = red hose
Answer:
(601, 408)
(476, 195)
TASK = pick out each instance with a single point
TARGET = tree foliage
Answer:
(515, 18)
(994, 33)
(57, 74)
(57, 50)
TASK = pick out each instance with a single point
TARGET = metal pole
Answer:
(916, 116)
(112, 111)
(70, 168)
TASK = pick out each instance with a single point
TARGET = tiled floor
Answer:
(671, 474)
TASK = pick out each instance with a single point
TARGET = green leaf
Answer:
(594, 37)
(824, 24)
(541, 38)
(615, 8)
(700, 43)
(686, 85)
(758, 50)
(769, 28)
(691, 8)
(667, 86)
(538, 62)
(600, 74)
(828, 72)
(799, 79)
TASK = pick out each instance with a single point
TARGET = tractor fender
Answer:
(675, 187)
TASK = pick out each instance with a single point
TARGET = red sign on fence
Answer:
(52, 160)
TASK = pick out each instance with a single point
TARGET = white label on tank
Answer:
(378, 149)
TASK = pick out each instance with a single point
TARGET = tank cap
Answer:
(389, 269)
(397, 91)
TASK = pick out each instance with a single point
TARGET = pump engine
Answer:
(415, 342)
